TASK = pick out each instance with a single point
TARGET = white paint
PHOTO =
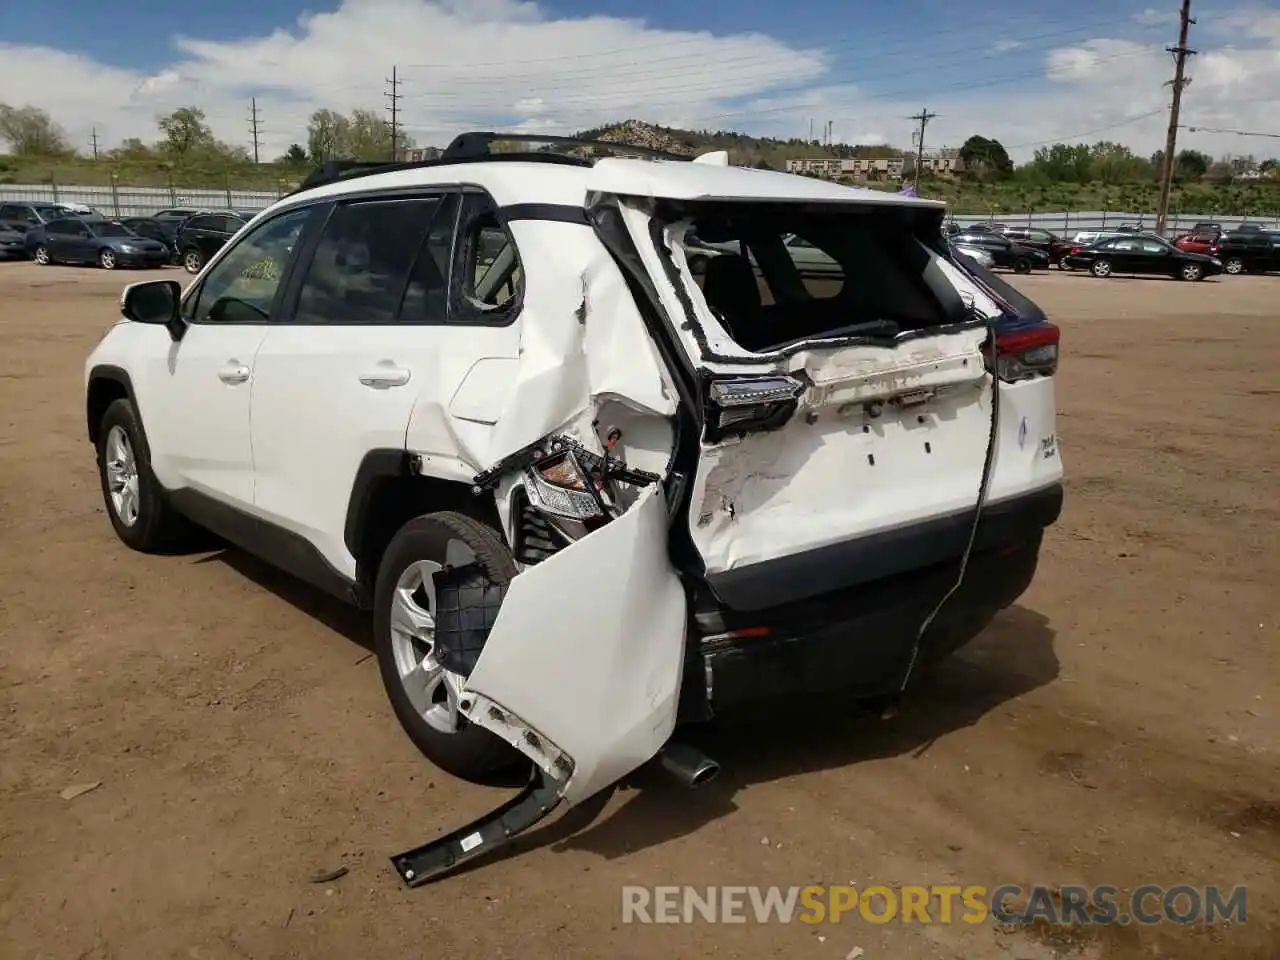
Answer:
(588, 648)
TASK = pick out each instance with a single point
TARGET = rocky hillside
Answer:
(743, 149)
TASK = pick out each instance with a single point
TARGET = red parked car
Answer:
(1206, 243)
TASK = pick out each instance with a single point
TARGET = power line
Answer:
(924, 116)
(253, 126)
(1085, 133)
(1238, 133)
(1180, 54)
(394, 96)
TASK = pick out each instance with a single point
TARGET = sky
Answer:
(1026, 74)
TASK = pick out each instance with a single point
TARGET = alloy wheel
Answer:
(122, 476)
(432, 689)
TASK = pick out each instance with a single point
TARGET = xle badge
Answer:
(1022, 433)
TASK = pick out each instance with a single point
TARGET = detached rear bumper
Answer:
(858, 640)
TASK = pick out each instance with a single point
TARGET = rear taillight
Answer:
(1075, 250)
(746, 404)
(1023, 354)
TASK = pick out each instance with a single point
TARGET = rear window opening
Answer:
(774, 274)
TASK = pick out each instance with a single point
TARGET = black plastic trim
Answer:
(377, 465)
(558, 212)
(284, 549)
(495, 829)
(107, 371)
(811, 573)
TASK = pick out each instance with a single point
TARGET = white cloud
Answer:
(1151, 17)
(470, 64)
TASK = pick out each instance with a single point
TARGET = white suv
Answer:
(587, 493)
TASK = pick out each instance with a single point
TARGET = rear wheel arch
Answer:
(388, 493)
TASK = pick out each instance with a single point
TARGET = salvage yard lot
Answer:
(1120, 725)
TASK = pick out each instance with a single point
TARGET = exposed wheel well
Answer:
(103, 391)
(388, 502)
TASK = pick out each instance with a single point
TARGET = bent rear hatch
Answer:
(842, 391)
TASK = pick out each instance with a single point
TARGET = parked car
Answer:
(586, 495)
(1248, 251)
(176, 214)
(1142, 255)
(1050, 243)
(161, 230)
(88, 240)
(975, 253)
(13, 244)
(1005, 252)
(23, 215)
(201, 236)
(1205, 243)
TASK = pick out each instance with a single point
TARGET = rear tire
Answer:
(1062, 264)
(1233, 266)
(192, 260)
(134, 500)
(1022, 265)
(422, 677)
(1101, 268)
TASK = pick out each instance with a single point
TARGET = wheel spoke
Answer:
(409, 618)
(421, 683)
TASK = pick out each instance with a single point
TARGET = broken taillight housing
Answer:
(1027, 353)
(560, 486)
(745, 404)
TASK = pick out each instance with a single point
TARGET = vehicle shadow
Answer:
(341, 618)
(1011, 658)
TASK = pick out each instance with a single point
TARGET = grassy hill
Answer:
(1005, 197)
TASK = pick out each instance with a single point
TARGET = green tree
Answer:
(295, 156)
(1063, 162)
(1116, 163)
(185, 133)
(131, 149)
(985, 158)
(328, 136)
(31, 132)
(1192, 165)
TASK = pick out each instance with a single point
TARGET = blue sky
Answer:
(1026, 73)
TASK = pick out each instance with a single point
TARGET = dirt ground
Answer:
(1119, 725)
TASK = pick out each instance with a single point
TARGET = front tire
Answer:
(424, 656)
(135, 501)
(192, 261)
(1022, 265)
(1101, 268)
(107, 259)
(1191, 272)
(41, 256)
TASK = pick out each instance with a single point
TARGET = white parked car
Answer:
(585, 494)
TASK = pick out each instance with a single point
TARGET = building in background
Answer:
(943, 162)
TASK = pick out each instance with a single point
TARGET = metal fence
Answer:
(1068, 223)
(121, 201)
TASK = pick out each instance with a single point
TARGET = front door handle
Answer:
(385, 375)
(233, 372)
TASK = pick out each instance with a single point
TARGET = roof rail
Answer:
(477, 145)
(335, 170)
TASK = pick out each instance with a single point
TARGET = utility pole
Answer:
(1180, 54)
(94, 140)
(394, 97)
(253, 126)
(924, 116)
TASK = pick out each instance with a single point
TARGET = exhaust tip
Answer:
(689, 765)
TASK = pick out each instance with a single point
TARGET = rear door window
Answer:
(367, 262)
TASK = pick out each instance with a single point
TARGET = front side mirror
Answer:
(154, 301)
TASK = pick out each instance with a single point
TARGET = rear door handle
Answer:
(383, 376)
(234, 372)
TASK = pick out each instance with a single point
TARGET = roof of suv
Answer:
(516, 181)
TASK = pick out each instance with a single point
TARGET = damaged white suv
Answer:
(587, 492)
